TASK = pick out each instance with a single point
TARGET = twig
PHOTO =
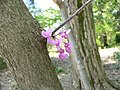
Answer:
(67, 20)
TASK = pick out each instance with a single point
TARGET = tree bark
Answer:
(83, 26)
(78, 71)
(24, 49)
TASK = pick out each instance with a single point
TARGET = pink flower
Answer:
(64, 34)
(63, 56)
(50, 41)
(58, 41)
(60, 50)
(68, 47)
(47, 33)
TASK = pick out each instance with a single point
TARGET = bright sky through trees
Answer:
(43, 4)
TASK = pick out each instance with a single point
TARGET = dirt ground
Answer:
(112, 69)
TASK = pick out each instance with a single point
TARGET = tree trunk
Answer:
(78, 69)
(24, 49)
(83, 26)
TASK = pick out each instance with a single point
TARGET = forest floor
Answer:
(111, 66)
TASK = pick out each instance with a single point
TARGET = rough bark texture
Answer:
(24, 49)
(74, 70)
(84, 30)
(78, 69)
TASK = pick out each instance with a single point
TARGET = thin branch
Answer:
(67, 20)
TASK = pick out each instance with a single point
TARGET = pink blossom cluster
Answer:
(63, 39)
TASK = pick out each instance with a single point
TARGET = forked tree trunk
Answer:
(83, 26)
(24, 49)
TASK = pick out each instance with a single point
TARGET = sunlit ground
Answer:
(107, 55)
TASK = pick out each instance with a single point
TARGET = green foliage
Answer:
(107, 20)
(49, 18)
(46, 18)
(2, 64)
(59, 70)
(98, 42)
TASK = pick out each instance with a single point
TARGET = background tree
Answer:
(84, 30)
(78, 69)
(24, 49)
(83, 26)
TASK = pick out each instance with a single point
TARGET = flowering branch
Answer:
(61, 42)
(67, 20)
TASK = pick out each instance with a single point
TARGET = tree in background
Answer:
(84, 31)
(24, 49)
(78, 69)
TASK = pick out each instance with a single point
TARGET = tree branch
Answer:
(67, 20)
